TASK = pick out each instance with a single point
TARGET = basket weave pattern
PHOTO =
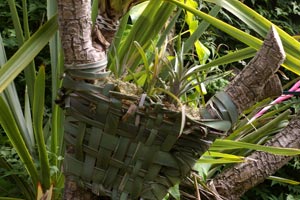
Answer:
(127, 151)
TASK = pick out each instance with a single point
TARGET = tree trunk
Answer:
(82, 51)
(235, 181)
(75, 28)
(86, 49)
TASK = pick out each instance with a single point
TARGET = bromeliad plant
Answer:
(130, 51)
(160, 71)
(138, 129)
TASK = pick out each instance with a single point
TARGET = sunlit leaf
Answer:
(219, 160)
(283, 180)
(27, 52)
(290, 44)
(174, 192)
(229, 144)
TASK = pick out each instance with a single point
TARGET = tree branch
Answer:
(256, 82)
(235, 181)
(247, 87)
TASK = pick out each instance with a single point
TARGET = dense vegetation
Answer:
(216, 44)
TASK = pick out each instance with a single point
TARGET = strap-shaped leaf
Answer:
(27, 52)
(37, 114)
(11, 129)
(229, 144)
(262, 26)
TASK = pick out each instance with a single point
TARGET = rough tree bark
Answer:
(75, 31)
(248, 87)
(75, 28)
(84, 48)
(235, 181)
(257, 80)
(251, 85)
(82, 51)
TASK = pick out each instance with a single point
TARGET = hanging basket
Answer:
(128, 147)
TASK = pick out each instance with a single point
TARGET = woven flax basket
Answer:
(128, 147)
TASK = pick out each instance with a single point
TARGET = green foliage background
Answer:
(284, 13)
